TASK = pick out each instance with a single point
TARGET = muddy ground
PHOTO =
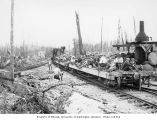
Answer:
(37, 92)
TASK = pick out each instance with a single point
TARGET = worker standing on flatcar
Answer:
(50, 64)
(103, 61)
(58, 74)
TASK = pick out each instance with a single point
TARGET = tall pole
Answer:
(69, 50)
(134, 26)
(79, 34)
(23, 49)
(126, 37)
(122, 41)
(119, 27)
(12, 41)
(101, 35)
(74, 47)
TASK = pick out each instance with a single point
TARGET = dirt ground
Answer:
(70, 96)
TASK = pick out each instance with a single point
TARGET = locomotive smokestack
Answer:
(141, 36)
(141, 26)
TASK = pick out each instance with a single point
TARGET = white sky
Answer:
(52, 22)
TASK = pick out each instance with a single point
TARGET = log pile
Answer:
(34, 96)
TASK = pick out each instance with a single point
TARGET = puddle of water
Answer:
(78, 104)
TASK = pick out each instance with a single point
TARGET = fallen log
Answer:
(5, 74)
(52, 86)
(31, 100)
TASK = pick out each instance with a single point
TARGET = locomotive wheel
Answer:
(138, 83)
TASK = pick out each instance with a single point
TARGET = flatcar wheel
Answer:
(118, 82)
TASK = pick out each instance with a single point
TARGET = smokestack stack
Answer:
(141, 36)
(141, 26)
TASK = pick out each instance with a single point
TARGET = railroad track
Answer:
(118, 92)
(153, 84)
(144, 89)
(150, 84)
(152, 91)
(123, 94)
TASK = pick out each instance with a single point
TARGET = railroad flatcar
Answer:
(135, 69)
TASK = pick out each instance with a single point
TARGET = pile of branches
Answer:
(29, 105)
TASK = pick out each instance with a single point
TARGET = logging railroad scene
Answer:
(78, 57)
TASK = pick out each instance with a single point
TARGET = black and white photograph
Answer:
(74, 59)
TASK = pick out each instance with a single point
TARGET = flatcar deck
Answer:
(111, 75)
(118, 77)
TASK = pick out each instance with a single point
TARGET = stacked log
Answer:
(39, 98)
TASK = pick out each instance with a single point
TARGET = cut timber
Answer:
(52, 86)
(7, 75)
(53, 99)
(28, 93)
(10, 101)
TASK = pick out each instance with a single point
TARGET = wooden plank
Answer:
(103, 74)
(113, 74)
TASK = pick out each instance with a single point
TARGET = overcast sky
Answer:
(52, 22)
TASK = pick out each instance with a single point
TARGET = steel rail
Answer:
(119, 91)
(148, 90)
(152, 91)
(102, 86)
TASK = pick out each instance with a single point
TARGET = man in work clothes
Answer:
(58, 74)
(50, 64)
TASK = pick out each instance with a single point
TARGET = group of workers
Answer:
(102, 62)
